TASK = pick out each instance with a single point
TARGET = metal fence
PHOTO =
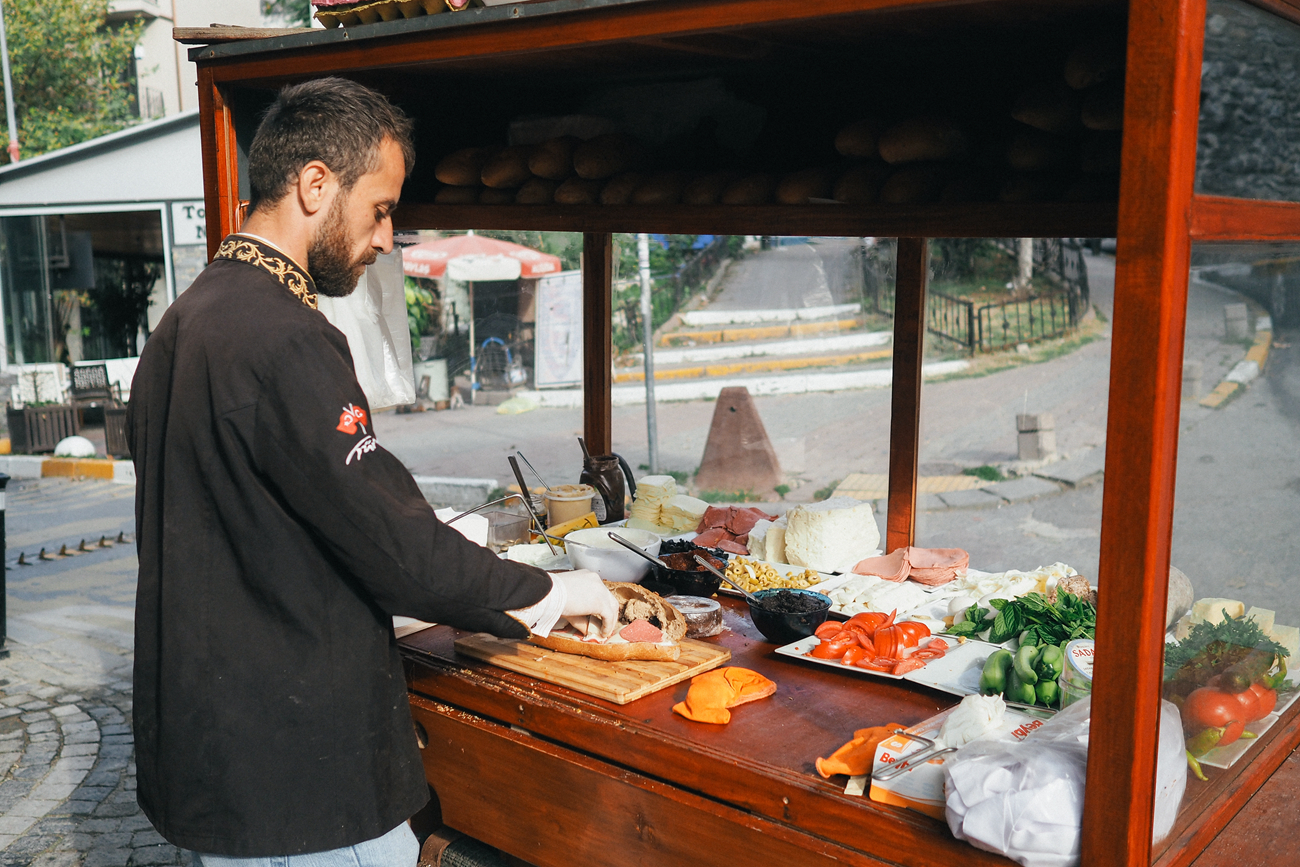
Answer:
(1054, 309)
(696, 271)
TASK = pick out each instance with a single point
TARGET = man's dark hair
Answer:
(334, 120)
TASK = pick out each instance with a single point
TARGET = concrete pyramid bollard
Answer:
(738, 455)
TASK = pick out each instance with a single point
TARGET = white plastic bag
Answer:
(373, 318)
(1025, 800)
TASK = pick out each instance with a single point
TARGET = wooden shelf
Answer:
(979, 220)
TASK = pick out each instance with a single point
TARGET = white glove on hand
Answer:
(586, 595)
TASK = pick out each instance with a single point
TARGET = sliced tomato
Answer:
(1267, 699)
(889, 641)
(870, 619)
(823, 651)
(937, 644)
(829, 629)
(1231, 732)
(914, 631)
(1249, 701)
(906, 665)
(928, 654)
(865, 634)
(875, 664)
(854, 655)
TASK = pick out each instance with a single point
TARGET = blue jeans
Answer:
(397, 848)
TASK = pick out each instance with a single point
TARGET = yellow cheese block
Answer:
(1183, 627)
(1263, 617)
(1210, 609)
(587, 520)
(1288, 637)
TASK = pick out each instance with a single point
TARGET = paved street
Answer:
(67, 794)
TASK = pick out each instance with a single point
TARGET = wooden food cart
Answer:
(554, 777)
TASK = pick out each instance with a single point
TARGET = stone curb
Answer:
(36, 467)
(1250, 367)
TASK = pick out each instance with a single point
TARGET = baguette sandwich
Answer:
(648, 628)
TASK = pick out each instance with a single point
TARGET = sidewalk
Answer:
(67, 790)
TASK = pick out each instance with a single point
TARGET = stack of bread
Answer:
(350, 13)
(1061, 142)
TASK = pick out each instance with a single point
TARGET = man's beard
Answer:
(329, 259)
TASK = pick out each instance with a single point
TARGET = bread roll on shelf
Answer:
(618, 190)
(661, 188)
(971, 185)
(1031, 150)
(861, 185)
(859, 139)
(918, 183)
(706, 189)
(457, 196)
(1100, 153)
(1031, 187)
(1103, 106)
(796, 188)
(553, 159)
(1092, 188)
(494, 196)
(606, 156)
(924, 139)
(749, 190)
(1094, 61)
(508, 168)
(536, 191)
(1048, 106)
(578, 191)
(463, 168)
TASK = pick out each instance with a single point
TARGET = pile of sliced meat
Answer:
(727, 527)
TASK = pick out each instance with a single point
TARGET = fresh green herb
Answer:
(1036, 620)
(1213, 648)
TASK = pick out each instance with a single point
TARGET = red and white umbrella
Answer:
(475, 258)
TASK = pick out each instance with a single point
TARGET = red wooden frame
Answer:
(1158, 219)
(1161, 104)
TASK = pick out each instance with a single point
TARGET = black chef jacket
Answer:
(276, 538)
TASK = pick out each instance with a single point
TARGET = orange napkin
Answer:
(714, 691)
(857, 756)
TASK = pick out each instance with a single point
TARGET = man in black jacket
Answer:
(277, 537)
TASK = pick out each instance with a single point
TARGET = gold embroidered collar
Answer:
(251, 251)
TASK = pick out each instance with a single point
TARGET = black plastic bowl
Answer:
(685, 582)
(782, 628)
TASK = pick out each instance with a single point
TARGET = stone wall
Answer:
(1249, 137)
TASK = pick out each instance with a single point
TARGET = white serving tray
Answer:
(958, 673)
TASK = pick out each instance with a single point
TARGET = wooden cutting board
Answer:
(619, 682)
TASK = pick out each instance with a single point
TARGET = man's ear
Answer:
(316, 184)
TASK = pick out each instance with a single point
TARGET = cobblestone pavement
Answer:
(67, 769)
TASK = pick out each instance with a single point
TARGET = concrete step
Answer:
(755, 366)
(742, 333)
(809, 345)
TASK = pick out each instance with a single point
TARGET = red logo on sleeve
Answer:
(352, 417)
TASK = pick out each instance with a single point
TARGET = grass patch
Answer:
(825, 493)
(730, 497)
(987, 472)
(782, 490)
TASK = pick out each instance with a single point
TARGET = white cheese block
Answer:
(1263, 617)
(1210, 609)
(832, 535)
(776, 541)
(758, 540)
(898, 597)
(1288, 637)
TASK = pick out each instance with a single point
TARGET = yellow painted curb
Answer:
(1221, 393)
(757, 332)
(740, 367)
(1257, 353)
(91, 468)
(874, 486)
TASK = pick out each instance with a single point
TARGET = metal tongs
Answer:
(932, 749)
